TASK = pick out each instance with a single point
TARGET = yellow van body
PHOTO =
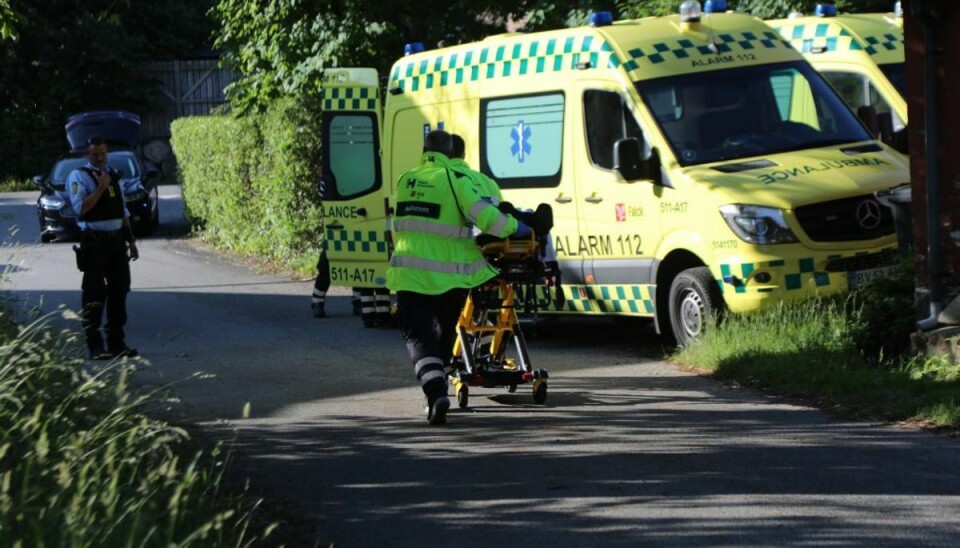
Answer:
(755, 175)
(861, 55)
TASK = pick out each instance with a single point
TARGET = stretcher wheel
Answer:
(463, 396)
(539, 391)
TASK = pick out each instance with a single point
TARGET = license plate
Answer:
(861, 277)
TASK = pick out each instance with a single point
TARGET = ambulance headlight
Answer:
(690, 11)
(757, 224)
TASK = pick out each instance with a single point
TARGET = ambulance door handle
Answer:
(563, 199)
(335, 225)
(594, 199)
(362, 211)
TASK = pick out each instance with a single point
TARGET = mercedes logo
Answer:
(868, 214)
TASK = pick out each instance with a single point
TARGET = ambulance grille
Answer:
(847, 220)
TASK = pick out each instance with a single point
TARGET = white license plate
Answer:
(861, 277)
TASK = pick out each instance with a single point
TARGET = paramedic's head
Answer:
(438, 141)
(459, 149)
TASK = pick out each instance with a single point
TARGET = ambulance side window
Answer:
(350, 155)
(857, 91)
(521, 139)
(606, 120)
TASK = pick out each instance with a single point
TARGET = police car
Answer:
(139, 185)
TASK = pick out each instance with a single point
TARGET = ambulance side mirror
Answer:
(629, 162)
(896, 139)
(868, 115)
(628, 159)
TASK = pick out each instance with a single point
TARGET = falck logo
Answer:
(868, 214)
(521, 141)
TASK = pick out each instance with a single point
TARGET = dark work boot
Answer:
(121, 350)
(437, 410)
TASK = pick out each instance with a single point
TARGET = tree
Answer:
(78, 56)
(8, 21)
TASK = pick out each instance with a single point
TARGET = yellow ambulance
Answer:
(861, 55)
(695, 163)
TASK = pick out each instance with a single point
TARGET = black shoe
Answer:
(123, 351)
(318, 311)
(437, 410)
(99, 353)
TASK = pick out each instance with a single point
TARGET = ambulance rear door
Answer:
(355, 198)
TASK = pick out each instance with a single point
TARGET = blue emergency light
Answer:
(601, 19)
(825, 10)
(715, 6)
(413, 47)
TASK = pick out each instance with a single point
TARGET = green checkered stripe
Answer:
(883, 43)
(831, 37)
(335, 98)
(685, 48)
(356, 240)
(604, 299)
(518, 59)
(793, 272)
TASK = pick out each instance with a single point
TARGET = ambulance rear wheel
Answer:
(694, 300)
(539, 392)
(463, 396)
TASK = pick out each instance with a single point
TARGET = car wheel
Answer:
(694, 300)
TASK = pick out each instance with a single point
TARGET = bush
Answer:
(250, 183)
(886, 308)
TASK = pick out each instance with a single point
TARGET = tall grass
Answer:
(82, 465)
(815, 350)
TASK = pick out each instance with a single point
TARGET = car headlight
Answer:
(52, 202)
(136, 195)
(757, 224)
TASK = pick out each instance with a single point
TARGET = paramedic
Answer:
(435, 262)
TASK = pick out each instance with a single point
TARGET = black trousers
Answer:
(428, 326)
(106, 282)
(322, 282)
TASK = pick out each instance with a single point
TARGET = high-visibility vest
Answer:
(487, 187)
(434, 250)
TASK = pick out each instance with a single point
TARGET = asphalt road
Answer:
(628, 450)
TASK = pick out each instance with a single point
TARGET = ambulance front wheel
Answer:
(694, 300)
(463, 396)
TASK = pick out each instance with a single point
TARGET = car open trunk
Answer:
(118, 128)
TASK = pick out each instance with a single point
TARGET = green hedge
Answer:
(249, 184)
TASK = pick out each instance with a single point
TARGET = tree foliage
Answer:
(74, 56)
(9, 21)
(280, 47)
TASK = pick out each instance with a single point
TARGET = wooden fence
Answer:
(187, 88)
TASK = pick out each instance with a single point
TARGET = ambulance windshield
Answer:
(752, 111)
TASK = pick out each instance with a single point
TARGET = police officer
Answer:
(435, 261)
(106, 247)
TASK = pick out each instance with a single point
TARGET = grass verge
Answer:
(810, 351)
(82, 465)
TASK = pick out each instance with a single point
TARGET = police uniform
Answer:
(434, 264)
(102, 256)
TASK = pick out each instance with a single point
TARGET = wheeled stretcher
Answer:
(490, 349)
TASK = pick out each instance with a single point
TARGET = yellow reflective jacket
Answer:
(434, 250)
(486, 187)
